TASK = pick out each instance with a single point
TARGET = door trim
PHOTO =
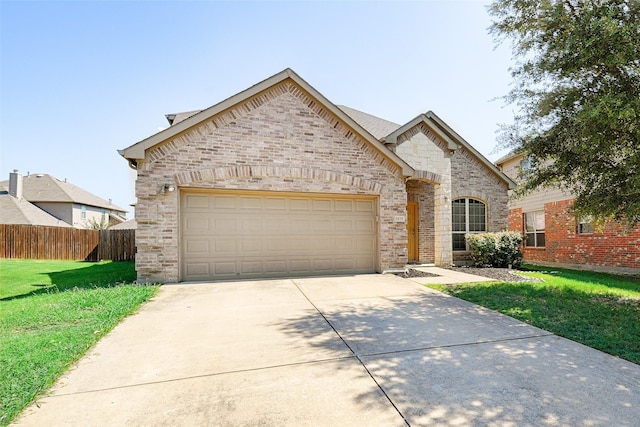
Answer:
(412, 232)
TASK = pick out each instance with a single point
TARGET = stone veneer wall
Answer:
(431, 159)
(280, 140)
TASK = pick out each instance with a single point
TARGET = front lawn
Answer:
(51, 313)
(595, 309)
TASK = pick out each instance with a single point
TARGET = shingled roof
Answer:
(20, 211)
(40, 188)
(376, 126)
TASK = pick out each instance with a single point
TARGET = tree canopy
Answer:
(576, 89)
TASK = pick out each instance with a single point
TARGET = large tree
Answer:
(576, 92)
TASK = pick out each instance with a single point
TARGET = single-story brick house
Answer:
(556, 238)
(278, 181)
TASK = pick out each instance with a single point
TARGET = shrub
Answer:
(495, 249)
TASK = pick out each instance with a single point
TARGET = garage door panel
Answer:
(321, 205)
(299, 226)
(244, 235)
(251, 203)
(251, 246)
(366, 226)
(196, 223)
(364, 244)
(364, 263)
(225, 202)
(250, 225)
(198, 269)
(300, 265)
(275, 225)
(298, 245)
(197, 247)
(320, 227)
(225, 246)
(344, 205)
(365, 206)
(342, 224)
(275, 203)
(325, 264)
(275, 266)
(224, 267)
(300, 204)
(193, 201)
(342, 244)
(248, 267)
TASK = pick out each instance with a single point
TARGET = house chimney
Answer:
(15, 184)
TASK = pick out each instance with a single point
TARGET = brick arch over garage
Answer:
(262, 171)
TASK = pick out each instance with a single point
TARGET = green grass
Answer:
(23, 277)
(599, 310)
(51, 313)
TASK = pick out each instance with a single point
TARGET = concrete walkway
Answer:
(349, 351)
(447, 277)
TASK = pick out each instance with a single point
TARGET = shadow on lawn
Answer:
(93, 275)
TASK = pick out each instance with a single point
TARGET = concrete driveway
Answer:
(351, 351)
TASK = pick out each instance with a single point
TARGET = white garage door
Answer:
(242, 235)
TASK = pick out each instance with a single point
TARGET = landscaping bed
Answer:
(501, 274)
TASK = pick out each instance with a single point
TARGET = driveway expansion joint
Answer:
(382, 390)
(466, 344)
(214, 374)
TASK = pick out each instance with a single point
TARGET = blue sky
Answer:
(81, 79)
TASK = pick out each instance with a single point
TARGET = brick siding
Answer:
(470, 178)
(611, 248)
(279, 140)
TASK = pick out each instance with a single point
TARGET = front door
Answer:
(412, 231)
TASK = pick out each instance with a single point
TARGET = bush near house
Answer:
(501, 249)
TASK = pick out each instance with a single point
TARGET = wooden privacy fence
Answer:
(40, 242)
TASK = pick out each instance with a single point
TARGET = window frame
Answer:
(525, 165)
(536, 232)
(585, 225)
(467, 221)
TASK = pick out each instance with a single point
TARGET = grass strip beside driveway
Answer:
(51, 313)
(596, 309)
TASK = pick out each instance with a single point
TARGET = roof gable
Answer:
(452, 140)
(20, 211)
(138, 151)
(45, 188)
(507, 157)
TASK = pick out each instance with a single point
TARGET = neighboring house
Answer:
(14, 209)
(65, 202)
(129, 224)
(555, 237)
(278, 181)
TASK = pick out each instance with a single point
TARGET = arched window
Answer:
(467, 216)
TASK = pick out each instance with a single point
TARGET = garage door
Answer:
(243, 235)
